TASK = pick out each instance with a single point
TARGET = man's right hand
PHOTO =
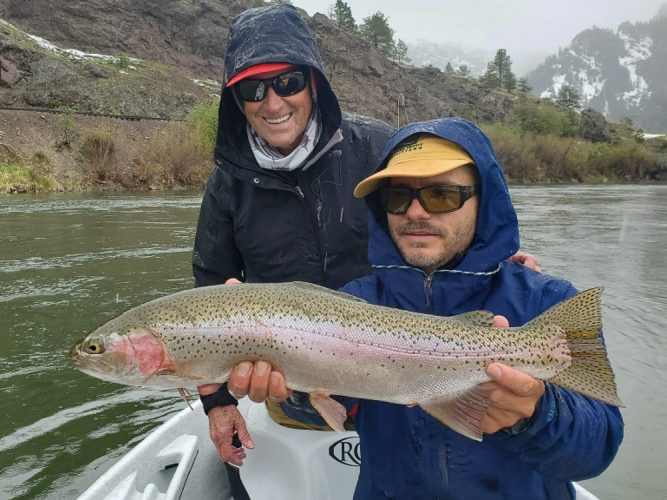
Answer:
(256, 380)
(223, 423)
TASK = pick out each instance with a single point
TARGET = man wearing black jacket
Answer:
(279, 205)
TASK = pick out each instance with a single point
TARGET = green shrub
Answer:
(66, 129)
(122, 60)
(543, 118)
(173, 157)
(203, 124)
(531, 157)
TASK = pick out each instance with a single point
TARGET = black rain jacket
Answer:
(258, 225)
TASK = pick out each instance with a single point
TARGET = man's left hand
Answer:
(514, 397)
(527, 259)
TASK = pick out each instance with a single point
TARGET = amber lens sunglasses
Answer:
(437, 199)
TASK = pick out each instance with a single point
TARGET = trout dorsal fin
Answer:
(323, 290)
(474, 318)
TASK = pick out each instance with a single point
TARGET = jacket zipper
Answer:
(323, 269)
(428, 290)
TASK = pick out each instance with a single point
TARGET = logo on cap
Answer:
(412, 143)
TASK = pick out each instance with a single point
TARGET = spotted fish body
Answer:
(327, 342)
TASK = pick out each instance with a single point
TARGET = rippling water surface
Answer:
(67, 264)
(70, 262)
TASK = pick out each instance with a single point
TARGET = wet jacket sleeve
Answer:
(570, 437)
(215, 257)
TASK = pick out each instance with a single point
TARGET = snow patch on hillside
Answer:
(80, 55)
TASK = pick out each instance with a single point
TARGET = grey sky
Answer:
(523, 27)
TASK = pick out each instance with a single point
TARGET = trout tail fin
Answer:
(590, 372)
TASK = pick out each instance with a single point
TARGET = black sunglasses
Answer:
(438, 199)
(287, 84)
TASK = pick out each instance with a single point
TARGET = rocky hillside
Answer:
(180, 41)
(620, 73)
(38, 74)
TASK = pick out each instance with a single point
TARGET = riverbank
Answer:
(59, 152)
(47, 152)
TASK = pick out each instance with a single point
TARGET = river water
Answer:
(70, 262)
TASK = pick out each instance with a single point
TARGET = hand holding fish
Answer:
(257, 381)
(514, 397)
(514, 394)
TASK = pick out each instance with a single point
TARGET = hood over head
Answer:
(497, 232)
(274, 34)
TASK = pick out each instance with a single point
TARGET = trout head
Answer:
(130, 357)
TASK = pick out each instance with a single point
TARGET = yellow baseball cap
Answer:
(420, 155)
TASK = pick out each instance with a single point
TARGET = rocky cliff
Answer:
(180, 41)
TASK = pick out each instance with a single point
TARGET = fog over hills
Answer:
(621, 73)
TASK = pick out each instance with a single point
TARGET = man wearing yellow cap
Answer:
(441, 228)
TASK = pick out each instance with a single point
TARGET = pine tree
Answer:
(498, 73)
(523, 86)
(376, 29)
(464, 70)
(401, 51)
(449, 69)
(341, 14)
(568, 97)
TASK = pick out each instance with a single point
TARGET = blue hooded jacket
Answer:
(408, 454)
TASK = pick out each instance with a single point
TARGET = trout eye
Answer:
(93, 347)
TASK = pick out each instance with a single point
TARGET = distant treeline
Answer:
(544, 142)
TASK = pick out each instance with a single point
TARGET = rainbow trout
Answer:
(328, 342)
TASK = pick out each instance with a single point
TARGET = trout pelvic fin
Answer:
(590, 372)
(331, 410)
(462, 413)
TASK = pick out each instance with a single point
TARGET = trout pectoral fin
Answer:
(462, 413)
(331, 410)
